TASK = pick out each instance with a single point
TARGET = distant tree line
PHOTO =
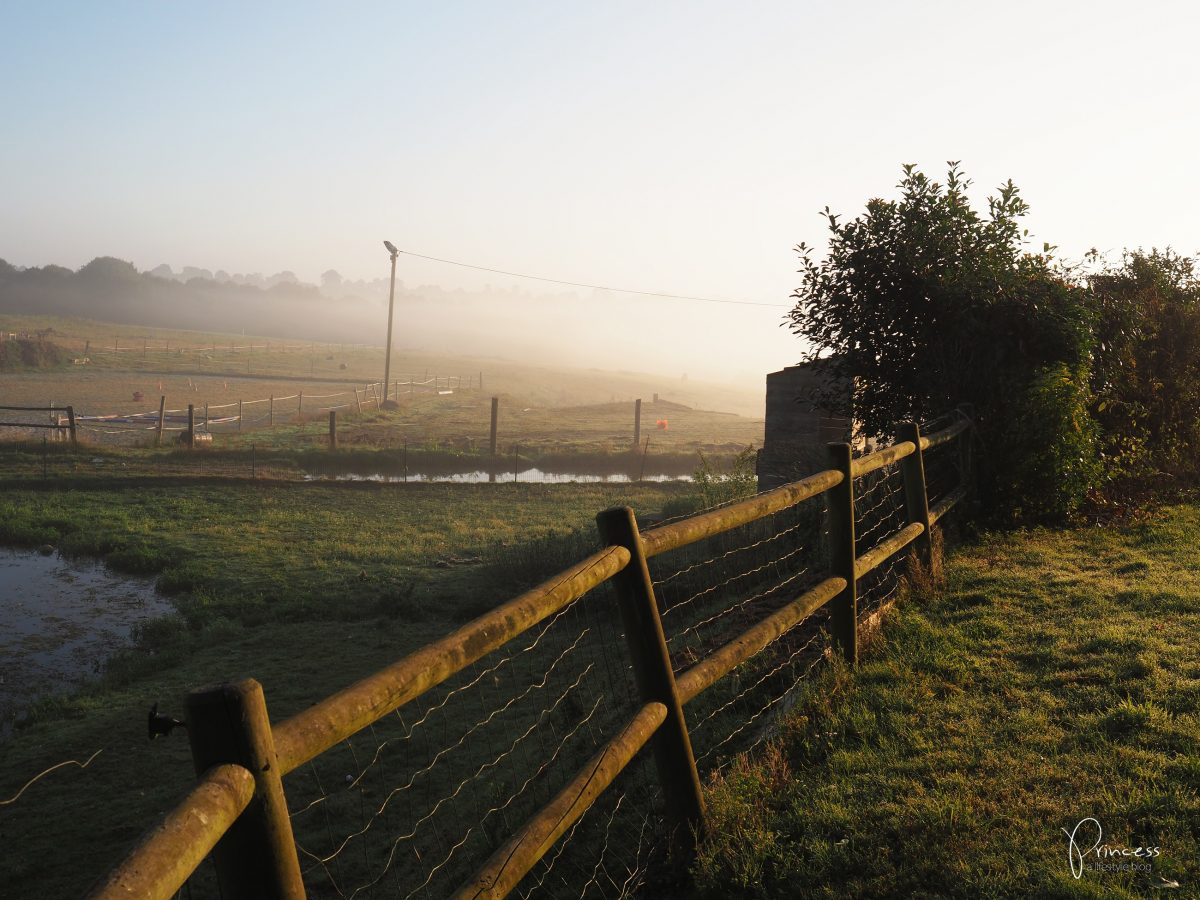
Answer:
(113, 290)
(1084, 379)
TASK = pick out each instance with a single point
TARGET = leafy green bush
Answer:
(923, 304)
(1146, 376)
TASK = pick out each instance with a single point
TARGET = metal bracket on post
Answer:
(256, 858)
(840, 506)
(656, 680)
(916, 492)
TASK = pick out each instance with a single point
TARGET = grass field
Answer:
(306, 587)
(1055, 678)
(560, 419)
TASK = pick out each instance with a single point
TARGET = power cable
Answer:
(598, 287)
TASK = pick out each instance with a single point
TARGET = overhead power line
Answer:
(598, 287)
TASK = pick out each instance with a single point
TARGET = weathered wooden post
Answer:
(271, 411)
(239, 415)
(206, 415)
(967, 411)
(357, 402)
(655, 679)
(162, 403)
(840, 506)
(916, 494)
(495, 415)
(300, 406)
(637, 422)
(191, 432)
(333, 429)
(71, 425)
(256, 858)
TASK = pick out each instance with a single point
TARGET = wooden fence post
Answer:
(655, 679)
(916, 493)
(333, 429)
(967, 410)
(71, 425)
(495, 415)
(239, 415)
(840, 506)
(271, 411)
(162, 403)
(191, 432)
(206, 415)
(257, 856)
(300, 407)
(637, 422)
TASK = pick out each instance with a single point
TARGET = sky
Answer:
(677, 147)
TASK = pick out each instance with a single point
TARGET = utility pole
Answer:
(387, 355)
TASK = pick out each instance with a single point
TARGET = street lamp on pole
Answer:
(387, 356)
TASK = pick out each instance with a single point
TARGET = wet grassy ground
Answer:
(306, 587)
(1055, 678)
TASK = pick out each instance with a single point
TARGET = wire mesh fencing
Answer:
(420, 799)
(712, 591)
(440, 794)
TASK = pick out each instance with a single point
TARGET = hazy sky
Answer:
(679, 147)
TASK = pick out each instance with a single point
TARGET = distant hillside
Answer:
(115, 291)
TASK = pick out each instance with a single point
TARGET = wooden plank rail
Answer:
(213, 809)
(509, 864)
(705, 525)
(887, 548)
(754, 640)
(170, 851)
(312, 732)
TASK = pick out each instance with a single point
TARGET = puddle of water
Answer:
(536, 476)
(60, 620)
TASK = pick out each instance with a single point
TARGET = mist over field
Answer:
(579, 327)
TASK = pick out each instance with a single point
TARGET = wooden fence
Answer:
(238, 812)
(63, 425)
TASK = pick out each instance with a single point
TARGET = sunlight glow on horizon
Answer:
(683, 148)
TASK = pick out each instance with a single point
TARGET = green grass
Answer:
(306, 587)
(1055, 677)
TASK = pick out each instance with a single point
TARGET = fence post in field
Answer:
(357, 402)
(916, 493)
(495, 414)
(300, 407)
(71, 425)
(481, 381)
(162, 404)
(191, 432)
(206, 416)
(840, 505)
(239, 415)
(256, 858)
(271, 411)
(672, 745)
(637, 422)
(964, 442)
(333, 429)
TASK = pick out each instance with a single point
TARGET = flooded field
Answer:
(60, 620)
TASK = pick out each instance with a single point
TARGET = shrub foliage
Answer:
(926, 304)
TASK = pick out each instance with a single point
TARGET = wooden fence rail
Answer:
(229, 793)
(58, 425)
